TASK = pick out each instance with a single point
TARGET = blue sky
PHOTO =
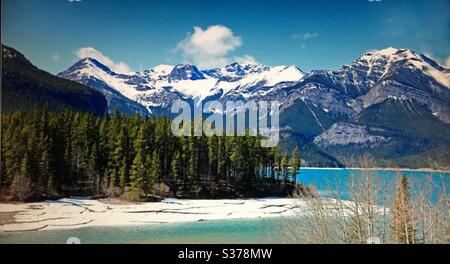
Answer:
(136, 35)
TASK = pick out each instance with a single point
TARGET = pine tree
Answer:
(285, 167)
(138, 174)
(221, 158)
(120, 154)
(67, 152)
(213, 158)
(94, 168)
(12, 147)
(44, 150)
(277, 157)
(123, 175)
(234, 156)
(295, 163)
(21, 185)
(402, 225)
(155, 169)
(104, 150)
(176, 165)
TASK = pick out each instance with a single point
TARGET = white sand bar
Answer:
(76, 213)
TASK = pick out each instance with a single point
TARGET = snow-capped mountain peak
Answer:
(88, 66)
(185, 72)
(382, 60)
(368, 80)
(237, 70)
(160, 72)
(390, 57)
(161, 85)
(246, 67)
(163, 69)
(387, 52)
(285, 74)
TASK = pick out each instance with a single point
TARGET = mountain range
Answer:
(391, 104)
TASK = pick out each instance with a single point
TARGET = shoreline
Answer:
(78, 213)
(373, 169)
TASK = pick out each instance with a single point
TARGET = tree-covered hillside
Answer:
(25, 87)
(52, 154)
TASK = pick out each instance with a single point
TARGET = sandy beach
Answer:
(76, 213)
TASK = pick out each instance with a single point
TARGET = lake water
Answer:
(338, 180)
(229, 231)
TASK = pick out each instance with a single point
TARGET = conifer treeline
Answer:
(75, 153)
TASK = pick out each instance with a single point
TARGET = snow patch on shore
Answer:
(76, 213)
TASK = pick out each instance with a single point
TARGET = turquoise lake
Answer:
(229, 231)
(338, 180)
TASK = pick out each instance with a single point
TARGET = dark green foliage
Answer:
(48, 154)
(307, 119)
(296, 163)
(415, 137)
(26, 87)
(410, 117)
(312, 155)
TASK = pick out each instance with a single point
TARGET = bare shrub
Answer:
(359, 210)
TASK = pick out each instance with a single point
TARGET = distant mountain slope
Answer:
(396, 132)
(374, 77)
(306, 118)
(25, 87)
(100, 81)
(412, 118)
(311, 154)
(156, 89)
(389, 103)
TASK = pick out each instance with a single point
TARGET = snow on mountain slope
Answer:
(159, 72)
(113, 86)
(392, 57)
(163, 84)
(348, 133)
(412, 76)
(437, 73)
(261, 83)
(199, 89)
(163, 70)
(373, 78)
(342, 93)
(404, 85)
(272, 77)
(236, 71)
(118, 82)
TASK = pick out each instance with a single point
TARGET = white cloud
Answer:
(56, 57)
(447, 63)
(246, 59)
(305, 36)
(209, 48)
(308, 35)
(89, 52)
